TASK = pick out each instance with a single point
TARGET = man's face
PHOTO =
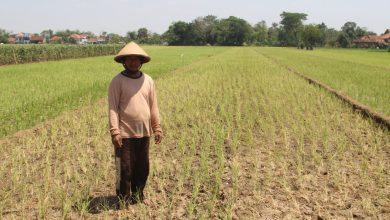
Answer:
(133, 62)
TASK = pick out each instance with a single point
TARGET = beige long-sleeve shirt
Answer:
(133, 110)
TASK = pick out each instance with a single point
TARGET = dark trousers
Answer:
(132, 164)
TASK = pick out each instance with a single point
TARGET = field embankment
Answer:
(244, 138)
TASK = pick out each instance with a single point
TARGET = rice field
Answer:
(244, 138)
(362, 75)
(34, 93)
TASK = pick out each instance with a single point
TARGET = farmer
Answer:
(133, 118)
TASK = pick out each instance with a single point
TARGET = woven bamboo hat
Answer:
(132, 49)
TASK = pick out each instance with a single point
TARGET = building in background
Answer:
(374, 41)
(22, 38)
(55, 40)
(36, 39)
(79, 38)
(11, 40)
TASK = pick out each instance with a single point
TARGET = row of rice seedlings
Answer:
(60, 171)
(305, 136)
(323, 136)
(335, 146)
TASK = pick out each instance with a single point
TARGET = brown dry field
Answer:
(243, 139)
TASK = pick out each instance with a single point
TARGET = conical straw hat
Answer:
(132, 49)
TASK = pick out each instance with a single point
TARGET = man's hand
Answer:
(157, 137)
(117, 140)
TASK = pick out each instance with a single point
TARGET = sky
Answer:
(121, 16)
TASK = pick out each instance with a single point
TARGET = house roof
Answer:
(83, 35)
(75, 36)
(19, 35)
(79, 36)
(56, 38)
(36, 38)
(370, 39)
(374, 39)
(386, 36)
(92, 40)
(11, 40)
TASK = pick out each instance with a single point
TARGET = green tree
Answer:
(331, 37)
(260, 33)
(115, 38)
(311, 36)
(204, 30)
(198, 30)
(361, 31)
(4, 35)
(343, 40)
(349, 30)
(155, 38)
(131, 36)
(233, 31)
(178, 33)
(211, 23)
(142, 35)
(291, 26)
(272, 35)
(47, 34)
(322, 28)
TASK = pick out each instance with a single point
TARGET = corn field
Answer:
(18, 54)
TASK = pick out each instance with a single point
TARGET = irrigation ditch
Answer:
(364, 110)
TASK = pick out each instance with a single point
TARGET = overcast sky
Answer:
(121, 16)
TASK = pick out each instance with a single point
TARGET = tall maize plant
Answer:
(17, 54)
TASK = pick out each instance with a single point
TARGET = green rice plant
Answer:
(362, 75)
(375, 58)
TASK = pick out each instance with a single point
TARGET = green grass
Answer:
(371, 57)
(33, 93)
(360, 74)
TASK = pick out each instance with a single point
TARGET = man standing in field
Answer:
(133, 118)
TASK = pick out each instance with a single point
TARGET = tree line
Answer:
(234, 31)
(291, 31)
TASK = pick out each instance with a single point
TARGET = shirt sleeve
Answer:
(113, 105)
(154, 113)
